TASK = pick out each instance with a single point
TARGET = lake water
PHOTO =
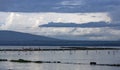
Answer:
(79, 56)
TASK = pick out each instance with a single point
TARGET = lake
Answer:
(73, 57)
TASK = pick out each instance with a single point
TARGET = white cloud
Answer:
(81, 33)
(22, 20)
(29, 22)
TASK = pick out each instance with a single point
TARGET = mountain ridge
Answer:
(12, 38)
(19, 36)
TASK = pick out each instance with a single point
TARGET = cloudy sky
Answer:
(27, 15)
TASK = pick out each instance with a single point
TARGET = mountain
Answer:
(12, 38)
(18, 36)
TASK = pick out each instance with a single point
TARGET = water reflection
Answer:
(74, 56)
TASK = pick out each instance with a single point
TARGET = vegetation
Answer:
(28, 61)
(21, 61)
(3, 60)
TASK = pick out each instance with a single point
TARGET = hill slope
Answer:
(11, 38)
(17, 36)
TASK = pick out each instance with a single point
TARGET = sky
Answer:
(27, 15)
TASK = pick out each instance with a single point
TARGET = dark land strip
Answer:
(58, 62)
(59, 49)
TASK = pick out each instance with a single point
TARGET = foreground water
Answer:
(73, 56)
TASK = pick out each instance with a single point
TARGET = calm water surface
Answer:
(79, 56)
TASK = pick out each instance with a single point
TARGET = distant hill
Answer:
(12, 38)
(18, 36)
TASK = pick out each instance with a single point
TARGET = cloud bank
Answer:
(86, 25)
(29, 22)
(15, 20)
(63, 6)
(27, 15)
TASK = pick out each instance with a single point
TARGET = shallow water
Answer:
(79, 56)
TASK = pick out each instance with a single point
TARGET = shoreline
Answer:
(61, 49)
(57, 62)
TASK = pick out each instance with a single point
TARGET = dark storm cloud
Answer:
(35, 6)
(56, 6)
(82, 6)
(115, 15)
(48, 5)
(110, 6)
(27, 5)
(85, 25)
